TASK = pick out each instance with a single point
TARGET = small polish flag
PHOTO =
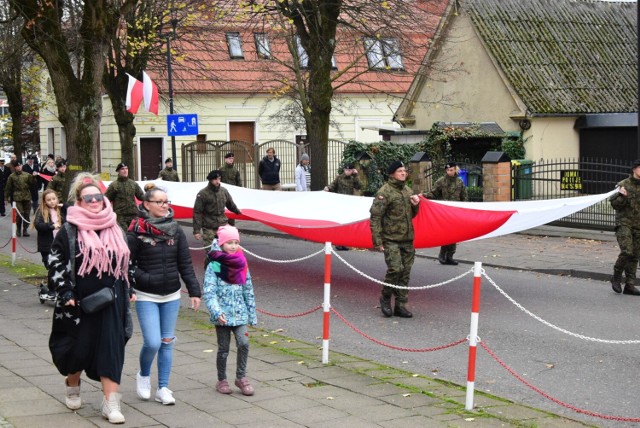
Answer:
(134, 94)
(150, 94)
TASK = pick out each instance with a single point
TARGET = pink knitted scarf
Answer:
(107, 252)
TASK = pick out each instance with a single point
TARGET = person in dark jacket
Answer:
(168, 173)
(18, 190)
(4, 175)
(57, 182)
(122, 193)
(32, 167)
(269, 171)
(230, 174)
(48, 220)
(160, 257)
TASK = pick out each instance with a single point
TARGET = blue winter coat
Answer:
(236, 301)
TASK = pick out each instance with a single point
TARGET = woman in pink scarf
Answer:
(94, 342)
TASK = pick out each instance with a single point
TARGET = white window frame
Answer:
(234, 43)
(383, 54)
(263, 50)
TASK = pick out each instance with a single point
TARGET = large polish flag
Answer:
(150, 94)
(344, 220)
(134, 94)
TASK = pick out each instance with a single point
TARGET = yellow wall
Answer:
(552, 138)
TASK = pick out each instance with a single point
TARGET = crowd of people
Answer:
(102, 251)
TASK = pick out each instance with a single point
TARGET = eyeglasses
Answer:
(161, 203)
(98, 197)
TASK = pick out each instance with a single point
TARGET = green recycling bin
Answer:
(523, 179)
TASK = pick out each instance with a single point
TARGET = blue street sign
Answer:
(182, 124)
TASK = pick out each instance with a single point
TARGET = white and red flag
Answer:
(134, 94)
(150, 94)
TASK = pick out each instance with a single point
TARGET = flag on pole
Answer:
(134, 94)
(150, 91)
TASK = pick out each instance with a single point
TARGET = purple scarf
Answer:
(231, 268)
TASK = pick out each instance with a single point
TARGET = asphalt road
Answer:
(594, 376)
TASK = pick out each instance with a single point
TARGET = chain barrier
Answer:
(301, 314)
(28, 251)
(397, 348)
(549, 397)
(23, 219)
(400, 287)
(283, 261)
(7, 243)
(548, 324)
(200, 248)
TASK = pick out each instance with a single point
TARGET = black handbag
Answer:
(98, 300)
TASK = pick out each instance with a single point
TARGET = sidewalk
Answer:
(293, 389)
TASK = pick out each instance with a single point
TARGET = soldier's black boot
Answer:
(616, 281)
(630, 289)
(385, 306)
(450, 260)
(442, 257)
(402, 312)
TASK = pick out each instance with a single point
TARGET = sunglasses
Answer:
(98, 197)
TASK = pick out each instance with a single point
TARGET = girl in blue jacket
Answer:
(228, 294)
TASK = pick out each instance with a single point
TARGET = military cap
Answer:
(214, 174)
(168, 160)
(394, 166)
(636, 163)
(229, 155)
(450, 165)
(60, 163)
(120, 166)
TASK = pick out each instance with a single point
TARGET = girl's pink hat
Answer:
(227, 233)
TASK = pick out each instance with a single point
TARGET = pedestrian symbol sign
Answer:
(182, 124)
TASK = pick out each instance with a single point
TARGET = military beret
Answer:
(214, 174)
(228, 155)
(394, 166)
(17, 163)
(168, 160)
(120, 166)
(636, 163)
(348, 166)
(60, 163)
(450, 165)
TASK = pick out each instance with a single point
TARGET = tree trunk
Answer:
(116, 87)
(16, 108)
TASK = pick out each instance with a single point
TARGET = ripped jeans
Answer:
(241, 332)
(157, 322)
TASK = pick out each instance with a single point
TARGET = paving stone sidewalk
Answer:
(293, 388)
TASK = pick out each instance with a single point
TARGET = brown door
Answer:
(242, 131)
(151, 161)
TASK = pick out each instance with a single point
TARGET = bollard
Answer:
(326, 303)
(14, 239)
(473, 335)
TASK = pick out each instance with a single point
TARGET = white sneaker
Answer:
(111, 409)
(165, 396)
(143, 386)
(72, 396)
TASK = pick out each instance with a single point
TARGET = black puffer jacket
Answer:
(157, 269)
(45, 229)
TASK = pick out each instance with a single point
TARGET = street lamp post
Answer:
(169, 35)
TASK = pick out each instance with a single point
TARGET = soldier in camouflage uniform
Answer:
(626, 203)
(392, 212)
(57, 182)
(208, 210)
(168, 173)
(448, 188)
(346, 183)
(230, 174)
(122, 193)
(18, 190)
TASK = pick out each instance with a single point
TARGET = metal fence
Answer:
(469, 171)
(200, 157)
(563, 178)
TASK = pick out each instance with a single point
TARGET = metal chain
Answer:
(23, 219)
(282, 261)
(400, 287)
(548, 324)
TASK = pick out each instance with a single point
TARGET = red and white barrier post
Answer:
(14, 239)
(326, 303)
(473, 335)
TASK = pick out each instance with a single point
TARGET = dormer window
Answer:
(383, 54)
(262, 45)
(302, 54)
(235, 45)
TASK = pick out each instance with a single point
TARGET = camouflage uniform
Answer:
(448, 189)
(18, 190)
(345, 185)
(122, 194)
(392, 227)
(230, 175)
(208, 213)
(627, 231)
(168, 174)
(57, 184)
